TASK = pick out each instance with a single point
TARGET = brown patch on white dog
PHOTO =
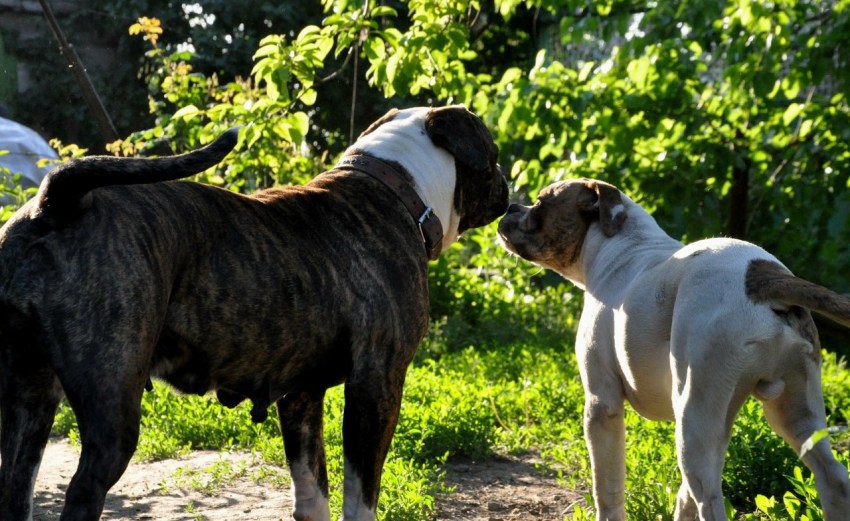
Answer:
(771, 282)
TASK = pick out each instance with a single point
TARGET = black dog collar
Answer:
(429, 224)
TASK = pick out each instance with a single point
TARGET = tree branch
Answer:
(104, 122)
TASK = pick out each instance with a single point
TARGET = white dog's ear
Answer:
(609, 205)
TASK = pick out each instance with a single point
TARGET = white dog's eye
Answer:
(530, 222)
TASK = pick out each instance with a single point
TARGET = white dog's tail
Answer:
(768, 281)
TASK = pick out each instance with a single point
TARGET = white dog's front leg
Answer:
(605, 433)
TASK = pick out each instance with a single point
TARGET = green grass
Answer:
(511, 399)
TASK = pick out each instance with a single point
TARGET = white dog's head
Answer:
(552, 232)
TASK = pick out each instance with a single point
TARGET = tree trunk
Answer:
(738, 199)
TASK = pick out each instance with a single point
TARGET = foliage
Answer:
(224, 35)
(694, 102)
(721, 120)
(12, 195)
(480, 297)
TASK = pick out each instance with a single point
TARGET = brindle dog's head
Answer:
(481, 194)
(481, 191)
(552, 232)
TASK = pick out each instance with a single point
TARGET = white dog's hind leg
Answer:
(795, 415)
(701, 447)
(705, 407)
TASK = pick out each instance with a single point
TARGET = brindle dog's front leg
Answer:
(372, 404)
(300, 418)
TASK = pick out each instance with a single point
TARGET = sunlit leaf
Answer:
(791, 113)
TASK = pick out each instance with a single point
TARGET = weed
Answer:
(272, 476)
(211, 479)
(191, 509)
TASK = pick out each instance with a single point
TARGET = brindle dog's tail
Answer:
(768, 281)
(66, 189)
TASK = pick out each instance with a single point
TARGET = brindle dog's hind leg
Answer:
(108, 410)
(109, 430)
(300, 416)
(29, 395)
(103, 363)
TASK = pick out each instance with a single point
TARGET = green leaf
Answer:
(806, 128)
(392, 36)
(186, 113)
(510, 76)
(791, 113)
(765, 504)
(585, 71)
(505, 116)
(271, 89)
(374, 49)
(791, 87)
(638, 71)
(811, 441)
(695, 48)
(792, 504)
(266, 50)
(457, 37)
(382, 10)
(299, 124)
(325, 44)
(308, 97)
(309, 32)
(392, 66)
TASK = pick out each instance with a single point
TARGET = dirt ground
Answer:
(229, 487)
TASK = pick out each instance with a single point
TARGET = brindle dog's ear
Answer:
(461, 133)
(607, 204)
(389, 116)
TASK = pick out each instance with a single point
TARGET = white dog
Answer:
(684, 333)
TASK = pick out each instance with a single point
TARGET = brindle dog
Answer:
(117, 272)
